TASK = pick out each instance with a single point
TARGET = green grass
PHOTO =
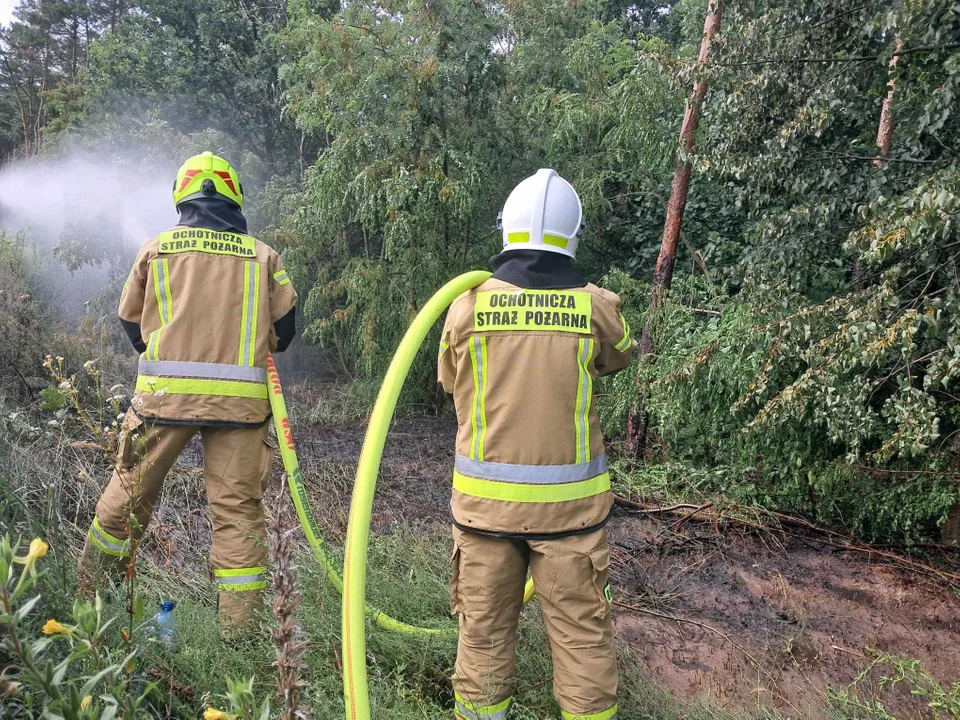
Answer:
(47, 490)
(407, 577)
(409, 675)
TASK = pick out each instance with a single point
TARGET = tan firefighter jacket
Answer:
(520, 364)
(206, 302)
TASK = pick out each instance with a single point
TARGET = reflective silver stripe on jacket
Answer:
(531, 474)
(205, 370)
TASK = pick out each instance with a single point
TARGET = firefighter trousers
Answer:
(570, 576)
(236, 466)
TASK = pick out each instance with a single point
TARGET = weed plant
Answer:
(49, 483)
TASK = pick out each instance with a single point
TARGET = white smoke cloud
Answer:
(86, 205)
(45, 196)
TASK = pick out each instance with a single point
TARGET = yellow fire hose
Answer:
(353, 589)
(355, 690)
(298, 492)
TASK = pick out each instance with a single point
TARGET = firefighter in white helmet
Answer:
(531, 489)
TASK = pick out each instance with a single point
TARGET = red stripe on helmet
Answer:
(187, 177)
(226, 179)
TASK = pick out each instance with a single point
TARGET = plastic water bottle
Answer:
(165, 626)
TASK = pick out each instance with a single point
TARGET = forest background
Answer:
(804, 360)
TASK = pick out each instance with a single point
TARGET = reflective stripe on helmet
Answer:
(533, 493)
(188, 386)
(203, 370)
(531, 474)
(241, 579)
(473, 711)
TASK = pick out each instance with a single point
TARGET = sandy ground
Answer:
(731, 616)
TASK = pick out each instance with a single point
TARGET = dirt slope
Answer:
(768, 618)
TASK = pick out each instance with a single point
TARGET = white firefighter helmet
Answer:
(542, 213)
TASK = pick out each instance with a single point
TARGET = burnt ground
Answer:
(708, 611)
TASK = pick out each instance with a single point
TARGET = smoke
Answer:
(49, 198)
(87, 213)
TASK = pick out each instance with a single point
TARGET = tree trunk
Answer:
(663, 274)
(884, 140)
(885, 131)
(74, 47)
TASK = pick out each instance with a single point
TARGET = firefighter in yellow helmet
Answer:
(531, 490)
(204, 305)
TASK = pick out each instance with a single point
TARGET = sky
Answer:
(6, 10)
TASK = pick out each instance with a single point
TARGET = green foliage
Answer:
(821, 380)
(53, 399)
(894, 672)
(89, 679)
(24, 320)
(427, 116)
(410, 129)
(243, 703)
(196, 66)
(770, 400)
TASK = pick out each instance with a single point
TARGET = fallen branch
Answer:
(850, 652)
(682, 521)
(839, 540)
(638, 507)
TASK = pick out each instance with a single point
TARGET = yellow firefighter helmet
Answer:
(205, 175)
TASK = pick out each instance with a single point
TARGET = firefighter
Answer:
(531, 489)
(204, 305)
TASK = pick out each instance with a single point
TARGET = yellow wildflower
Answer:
(85, 703)
(52, 627)
(214, 714)
(38, 548)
